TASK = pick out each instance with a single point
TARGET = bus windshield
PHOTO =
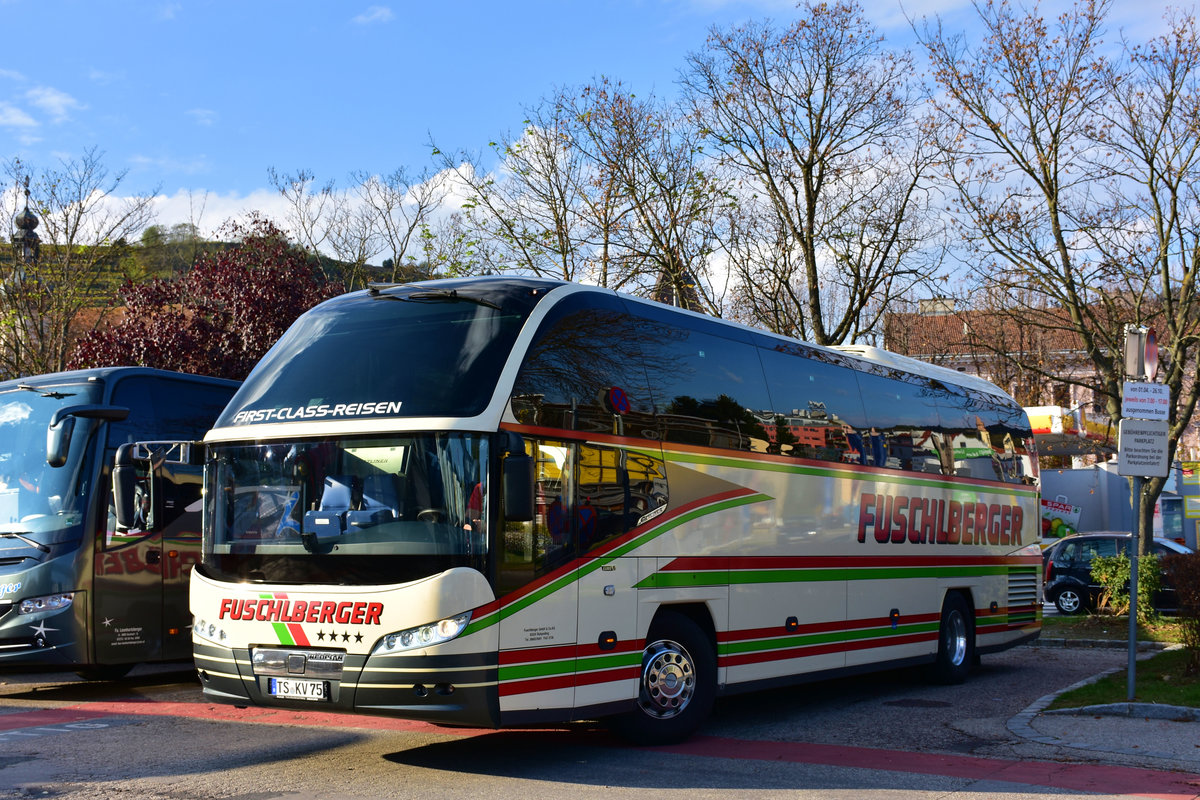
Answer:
(370, 355)
(36, 499)
(377, 510)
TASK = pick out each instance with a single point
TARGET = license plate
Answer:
(298, 689)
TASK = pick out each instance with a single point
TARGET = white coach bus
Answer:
(514, 501)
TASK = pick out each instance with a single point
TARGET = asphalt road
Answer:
(878, 736)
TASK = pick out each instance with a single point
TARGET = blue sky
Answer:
(200, 98)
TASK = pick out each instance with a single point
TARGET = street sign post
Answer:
(1142, 448)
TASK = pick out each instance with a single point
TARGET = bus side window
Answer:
(616, 490)
(815, 406)
(163, 408)
(531, 549)
(897, 410)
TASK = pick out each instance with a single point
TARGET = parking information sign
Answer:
(1143, 400)
(1142, 448)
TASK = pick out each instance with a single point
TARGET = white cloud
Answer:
(373, 15)
(209, 211)
(13, 117)
(56, 103)
(104, 77)
(203, 116)
(11, 75)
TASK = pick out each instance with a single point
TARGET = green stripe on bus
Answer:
(808, 640)
(281, 630)
(544, 669)
(842, 474)
(664, 580)
(591, 566)
(568, 666)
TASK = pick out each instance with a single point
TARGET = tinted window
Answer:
(164, 408)
(708, 390)
(985, 439)
(584, 369)
(902, 419)
(415, 352)
(615, 490)
(816, 408)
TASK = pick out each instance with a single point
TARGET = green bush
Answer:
(1183, 571)
(1112, 573)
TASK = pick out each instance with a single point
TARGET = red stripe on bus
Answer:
(788, 653)
(297, 633)
(510, 688)
(579, 561)
(533, 655)
(553, 682)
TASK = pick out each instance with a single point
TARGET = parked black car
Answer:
(1068, 569)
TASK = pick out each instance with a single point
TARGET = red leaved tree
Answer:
(220, 317)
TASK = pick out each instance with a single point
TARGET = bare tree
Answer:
(536, 208)
(310, 206)
(402, 207)
(1078, 178)
(817, 120)
(85, 228)
(665, 194)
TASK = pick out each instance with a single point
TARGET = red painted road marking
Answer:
(48, 716)
(1129, 781)
(1101, 779)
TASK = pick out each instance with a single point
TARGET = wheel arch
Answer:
(698, 613)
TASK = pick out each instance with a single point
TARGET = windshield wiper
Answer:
(14, 535)
(45, 392)
(431, 295)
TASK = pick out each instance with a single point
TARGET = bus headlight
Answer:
(209, 630)
(49, 602)
(425, 636)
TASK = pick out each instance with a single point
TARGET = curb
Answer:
(1022, 724)
(1112, 644)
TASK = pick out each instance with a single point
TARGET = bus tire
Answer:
(677, 686)
(956, 641)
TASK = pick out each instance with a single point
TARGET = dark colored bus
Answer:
(74, 590)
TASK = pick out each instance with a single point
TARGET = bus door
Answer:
(615, 491)
(127, 587)
(537, 589)
(140, 586)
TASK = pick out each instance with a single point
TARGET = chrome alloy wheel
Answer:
(668, 679)
(1068, 601)
(956, 639)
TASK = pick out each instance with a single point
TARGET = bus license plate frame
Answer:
(299, 689)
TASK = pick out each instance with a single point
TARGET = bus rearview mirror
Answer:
(58, 441)
(62, 425)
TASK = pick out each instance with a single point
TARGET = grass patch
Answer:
(1160, 679)
(1110, 628)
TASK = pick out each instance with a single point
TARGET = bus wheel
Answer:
(677, 685)
(104, 672)
(956, 641)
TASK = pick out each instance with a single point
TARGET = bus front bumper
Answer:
(424, 687)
